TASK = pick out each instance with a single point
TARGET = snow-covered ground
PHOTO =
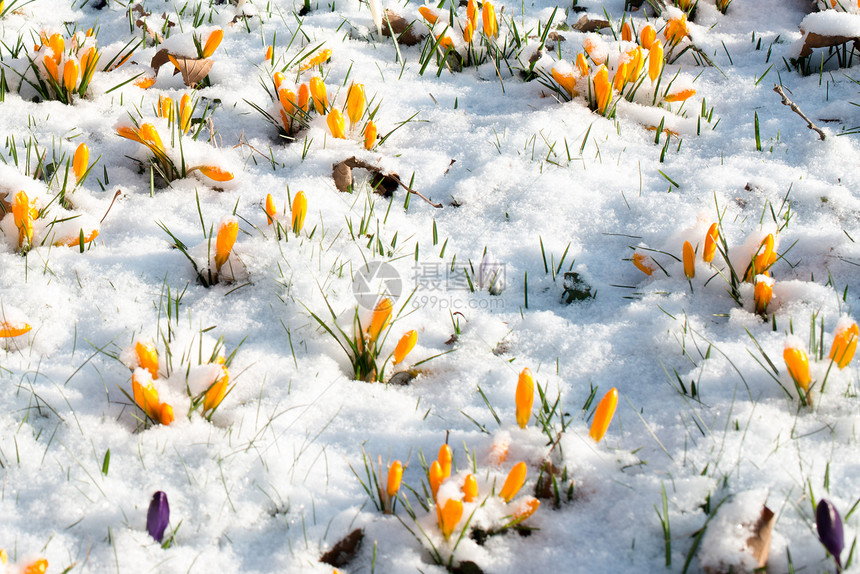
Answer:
(531, 187)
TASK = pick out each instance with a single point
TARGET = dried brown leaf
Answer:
(342, 175)
(193, 70)
(5, 206)
(160, 58)
(342, 553)
(812, 40)
(585, 24)
(406, 34)
(759, 542)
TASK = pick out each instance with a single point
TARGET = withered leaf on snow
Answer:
(404, 29)
(384, 184)
(193, 70)
(585, 24)
(344, 550)
(812, 40)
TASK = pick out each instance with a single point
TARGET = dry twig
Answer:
(786, 102)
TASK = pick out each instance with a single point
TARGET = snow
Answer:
(531, 188)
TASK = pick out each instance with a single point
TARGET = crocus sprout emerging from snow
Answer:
(405, 345)
(655, 60)
(488, 14)
(797, 362)
(829, 526)
(356, 103)
(370, 134)
(689, 260)
(445, 457)
(711, 243)
(335, 123)
(435, 477)
(212, 42)
(642, 263)
(158, 516)
(603, 415)
(147, 357)
(271, 210)
(300, 209)
(525, 396)
(844, 342)
(228, 230)
(470, 488)
(216, 391)
(514, 482)
(647, 36)
(449, 516)
(13, 328)
(395, 475)
(319, 95)
(763, 293)
(380, 319)
(81, 161)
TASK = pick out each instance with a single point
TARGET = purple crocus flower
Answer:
(159, 515)
(829, 526)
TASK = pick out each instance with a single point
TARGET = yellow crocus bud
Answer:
(228, 230)
(270, 51)
(582, 65)
(566, 81)
(525, 508)
(395, 475)
(525, 397)
(711, 238)
(81, 161)
(676, 30)
(602, 88)
(71, 71)
(680, 96)
(216, 391)
(300, 209)
(75, 240)
(165, 107)
(435, 477)
(278, 78)
(621, 76)
(445, 457)
(335, 123)
(13, 328)
(655, 61)
(472, 13)
(637, 62)
(370, 135)
(642, 263)
(165, 414)
(428, 14)
(304, 97)
(647, 36)
(39, 566)
(212, 42)
(603, 415)
(318, 59)
(147, 357)
(185, 109)
(356, 103)
(844, 342)
(4, 558)
(797, 362)
(626, 32)
(450, 516)
(319, 95)
(22, 213)
(145, 82)
(58, 46)
(287, 98)
(271, 210)
(514, 482)
(689, 260)
(468, 31)
(470, 488)
(145, 394)
(381, 318)
(764, 255)
(499, 450)
(51, 69)
(149, 136)
(215, 173)
(763, 293)
(405, 345)
(89, 59)
(488, 14)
